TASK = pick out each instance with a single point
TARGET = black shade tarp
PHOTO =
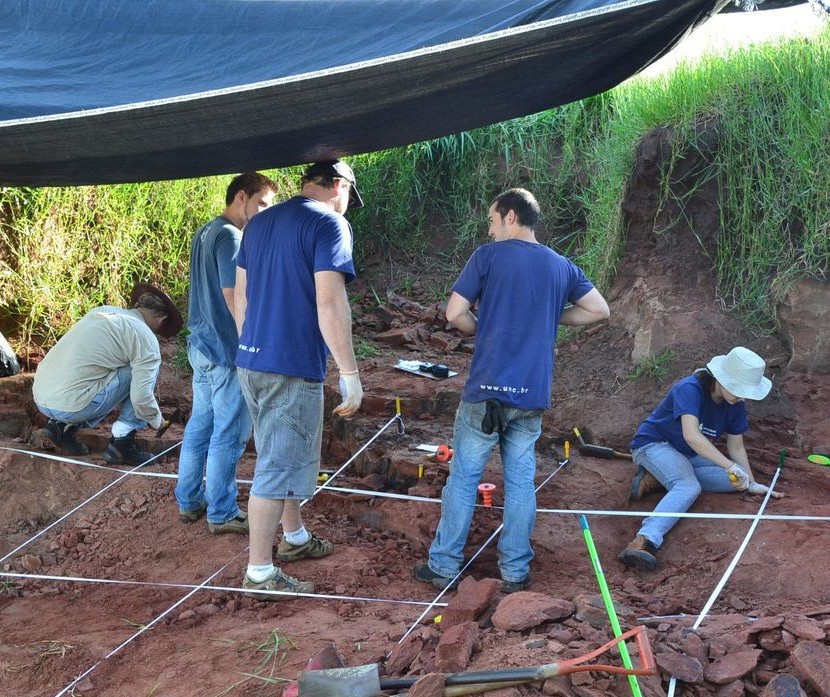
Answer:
(141, 90)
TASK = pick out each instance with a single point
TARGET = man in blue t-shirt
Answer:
(522, 289)
(291, 311)
(219, 426)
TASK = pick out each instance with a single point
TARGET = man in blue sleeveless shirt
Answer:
(291, 311)
(521, 288)
(219, 426)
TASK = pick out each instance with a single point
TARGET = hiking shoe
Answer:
(124, 451)
(63, 437)
(640, 554)
(516, 586)
(192, 516)
(238, 525)
(314, 548)
(644, 483)
(278, 581)
(422, 572)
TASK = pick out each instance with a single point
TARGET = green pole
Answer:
(609, 604)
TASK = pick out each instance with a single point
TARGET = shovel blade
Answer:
(356, 681)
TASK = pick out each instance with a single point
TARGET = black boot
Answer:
(63, 436)
(124, 451)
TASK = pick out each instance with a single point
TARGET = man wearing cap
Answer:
(219, 426)
(291, 311)
(674, 447)
(109, 359)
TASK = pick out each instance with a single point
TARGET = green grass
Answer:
(656, 366)
(363, 350)
(752, 122)
(272, 650)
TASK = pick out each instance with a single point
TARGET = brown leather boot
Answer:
(644, 483)
(640, 554)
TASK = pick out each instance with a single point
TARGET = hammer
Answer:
(165, 423)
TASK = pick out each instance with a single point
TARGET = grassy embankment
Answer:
(63, 251)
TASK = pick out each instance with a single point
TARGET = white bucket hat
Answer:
(741, 372)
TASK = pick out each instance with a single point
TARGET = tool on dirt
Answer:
(439, 370)
(433, 371)
(487, 490)
(612, 614)
(598, 450)
(167, 422)
(819, 459)
(365, 681)
(420, 470)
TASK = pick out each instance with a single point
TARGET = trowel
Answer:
(598, 450)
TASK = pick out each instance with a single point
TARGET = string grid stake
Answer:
(486, 490)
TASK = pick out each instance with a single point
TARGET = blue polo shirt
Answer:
(690, 396)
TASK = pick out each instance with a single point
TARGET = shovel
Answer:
(364, 681)
(598, 450)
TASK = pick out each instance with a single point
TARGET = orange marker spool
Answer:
(487, 493)
(444, 453)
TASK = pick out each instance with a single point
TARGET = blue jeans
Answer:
(684, 478)
(472, 450)
(116, 393)
(214, 439)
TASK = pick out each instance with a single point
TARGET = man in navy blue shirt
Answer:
(292, 311)
(523, 290)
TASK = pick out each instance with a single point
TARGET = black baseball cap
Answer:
(337, 168)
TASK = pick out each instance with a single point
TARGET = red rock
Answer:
(684, 668)
(783, 686)
(471, 600)
(456, 646)
(403, 655)
(804, 628)
(811, 664)
(732, 666)
(527, 609)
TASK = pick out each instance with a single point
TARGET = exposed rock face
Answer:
(803, 319)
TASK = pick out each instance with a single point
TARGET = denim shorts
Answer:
(287, 414)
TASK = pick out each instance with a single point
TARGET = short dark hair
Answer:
(250, 183)
(522, 203)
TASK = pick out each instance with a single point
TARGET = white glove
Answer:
(352, 393)
(738, 477)
(756, 488)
